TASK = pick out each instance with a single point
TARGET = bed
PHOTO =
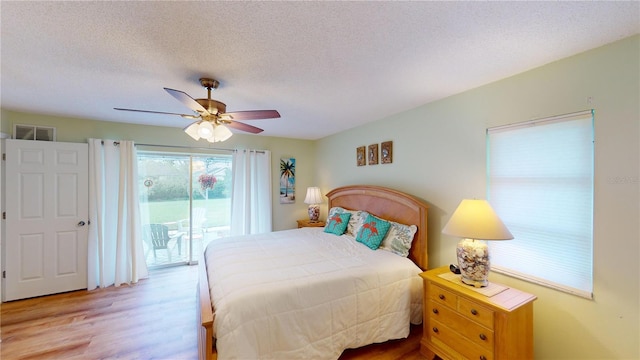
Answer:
(260, 316)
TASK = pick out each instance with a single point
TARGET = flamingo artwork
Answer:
(371, 226)
(335, 220)
(372, 232)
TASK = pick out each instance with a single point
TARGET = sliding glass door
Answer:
(185, 202)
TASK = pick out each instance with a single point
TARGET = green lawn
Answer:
(218, 211)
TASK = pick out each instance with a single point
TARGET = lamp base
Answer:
(473, 261)
(475, 283)
(314, 213)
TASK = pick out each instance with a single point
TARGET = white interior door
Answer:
(45, 248)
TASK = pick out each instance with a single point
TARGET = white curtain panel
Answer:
(251, 196)
(115, 249)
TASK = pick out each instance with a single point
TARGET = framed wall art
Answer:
(361, 156)
(386, 152)
(287, 180)
(373, 154)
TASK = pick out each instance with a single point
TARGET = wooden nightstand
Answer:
(459, 322)
(308, 223)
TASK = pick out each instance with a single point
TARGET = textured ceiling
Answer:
(325, 66)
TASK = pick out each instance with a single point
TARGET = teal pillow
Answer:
(337, 223)
(372, 231)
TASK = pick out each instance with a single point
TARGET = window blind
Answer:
(540, 182)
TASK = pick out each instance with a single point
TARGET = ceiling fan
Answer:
(212, 116)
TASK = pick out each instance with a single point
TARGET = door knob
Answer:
(81, 223)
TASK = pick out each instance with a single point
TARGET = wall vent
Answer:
(33, 132)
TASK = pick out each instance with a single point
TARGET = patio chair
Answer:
(197, 225)
(157, 238)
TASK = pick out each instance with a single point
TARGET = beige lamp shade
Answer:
(475, 219)
(313, 196)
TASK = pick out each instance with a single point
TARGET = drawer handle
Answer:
(435, 311)
(482, 357)
(441, 297)
(483, 337)
(474, 312)
(435, 329)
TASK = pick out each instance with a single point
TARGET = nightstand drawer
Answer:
(475, 312)
(442, 296)
(439, 312)
(451, 338)
(473, 331)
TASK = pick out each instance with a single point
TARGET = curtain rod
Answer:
(188, 147)
(541, 120)
(184, 147)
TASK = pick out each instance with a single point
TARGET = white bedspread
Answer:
(306, 294)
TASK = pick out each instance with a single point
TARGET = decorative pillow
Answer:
(355, 222)
(372, 231)
(333, 211)
(337, 223)
(399, 238)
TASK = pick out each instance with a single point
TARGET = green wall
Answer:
(79, 130)
(439, 156)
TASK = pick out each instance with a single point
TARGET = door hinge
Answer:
(4, 215)
(4, 274)
(4, 156)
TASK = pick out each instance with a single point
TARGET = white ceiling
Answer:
(325, 66)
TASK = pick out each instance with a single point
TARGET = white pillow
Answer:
(355, 221)
(399, 238)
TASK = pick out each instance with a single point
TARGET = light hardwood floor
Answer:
(154, 319)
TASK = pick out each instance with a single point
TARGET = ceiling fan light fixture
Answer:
(205, 130)
(222, 133)
(210, 115)
(192, 130)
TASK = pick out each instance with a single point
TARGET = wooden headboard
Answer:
(391, 205)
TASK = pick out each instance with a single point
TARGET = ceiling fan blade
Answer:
(243, 127)
(187, 100)
(159, 112)
(253, 114)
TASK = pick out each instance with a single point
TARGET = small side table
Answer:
(307, 223)
(462, 322)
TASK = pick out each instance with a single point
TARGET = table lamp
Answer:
(474, 221)
(313, 198)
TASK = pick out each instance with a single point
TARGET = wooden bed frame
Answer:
(383, 202)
